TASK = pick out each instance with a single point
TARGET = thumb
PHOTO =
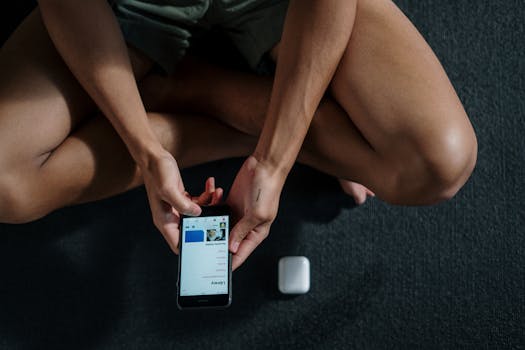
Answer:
(181, 203)
(191, 208)
(239, 231)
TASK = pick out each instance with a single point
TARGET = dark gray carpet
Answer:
(447, 276)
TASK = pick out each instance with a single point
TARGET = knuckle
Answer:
(245, 233)
(262, 215)
(165, 190)
(265, 234)
(240, 258)
(240, 234)
(258, 215)
(257, 239)
(261, 237)
(185, 207)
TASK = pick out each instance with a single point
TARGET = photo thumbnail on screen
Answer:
(215, 235)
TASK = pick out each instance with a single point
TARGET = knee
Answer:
(455, 165)
(17, 205)
(438, 170)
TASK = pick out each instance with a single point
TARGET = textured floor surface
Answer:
(447, 276)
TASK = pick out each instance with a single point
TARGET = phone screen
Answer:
(204, 256)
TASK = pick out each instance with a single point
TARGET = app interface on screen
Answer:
(204, 256)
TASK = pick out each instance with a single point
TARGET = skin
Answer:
(102, 66)
(305, 66)
(409, 140)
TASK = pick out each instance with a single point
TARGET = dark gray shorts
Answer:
(162, 29)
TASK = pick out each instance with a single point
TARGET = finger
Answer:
(210, 185)
(247, 246)
(217, 196)
(166, 221)
(206, 196)
(239, 231)
(370, 193)
(209, 190)
(170, 229)
(203, 199)
(181, 203)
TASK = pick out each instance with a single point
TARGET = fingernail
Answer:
(235, 246)
(196, 210)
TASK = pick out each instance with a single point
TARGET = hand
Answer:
(167, 196)
(254, 200)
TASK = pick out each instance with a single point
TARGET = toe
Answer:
(357, 191)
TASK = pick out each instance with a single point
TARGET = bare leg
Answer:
(54, 148)
(93, 163)
(41, 103)
(240, 99)
(397, 94)
(407, 137)
(101, 166)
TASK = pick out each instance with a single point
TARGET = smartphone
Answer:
(205, 268)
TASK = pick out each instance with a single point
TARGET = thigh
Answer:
(394, 88)
(41, 102)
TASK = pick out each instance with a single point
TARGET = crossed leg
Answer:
(387, 137)
(392, 120)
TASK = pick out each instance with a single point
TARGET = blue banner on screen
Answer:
(194, 236)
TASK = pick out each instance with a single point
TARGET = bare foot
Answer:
(357, 191)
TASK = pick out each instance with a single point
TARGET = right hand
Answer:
(254, 200)
(168, 198)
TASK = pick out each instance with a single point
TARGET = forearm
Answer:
(315, 35)
(88, 38)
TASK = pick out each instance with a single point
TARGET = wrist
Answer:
(278, 145)
(273, 166)
(146, 151)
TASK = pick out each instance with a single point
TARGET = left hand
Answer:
(254, 200)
